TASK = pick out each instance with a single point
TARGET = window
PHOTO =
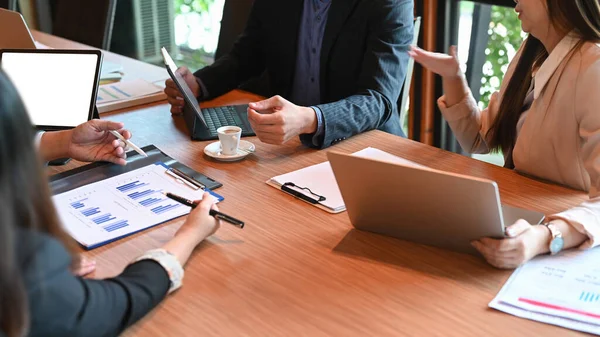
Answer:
(488, 53)
(197, 25)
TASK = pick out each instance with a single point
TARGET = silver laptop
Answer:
(19, 37)
(423, 205)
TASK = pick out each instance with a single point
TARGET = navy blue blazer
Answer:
(363, 61)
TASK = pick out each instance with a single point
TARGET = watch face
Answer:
(556, 245)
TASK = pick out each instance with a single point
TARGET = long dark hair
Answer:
(25, 205)
(582, 16)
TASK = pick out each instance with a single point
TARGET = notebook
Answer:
(318, 180)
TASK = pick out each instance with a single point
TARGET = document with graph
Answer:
(104, 211)
(562, 290)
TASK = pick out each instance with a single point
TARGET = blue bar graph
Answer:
(131, 186)
(117, 225)
(589, 297)
(150, 201)
(137, 195)
(103, 218)
(164, 208)
(78, 204)
(90, 211)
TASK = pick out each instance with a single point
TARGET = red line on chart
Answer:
(558, 307)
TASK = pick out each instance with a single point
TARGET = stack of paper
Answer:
(320, 179)
(127, 93)
(562, 290)
(110, 71)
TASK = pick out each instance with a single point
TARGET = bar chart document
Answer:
(562, 290)
(104, 211)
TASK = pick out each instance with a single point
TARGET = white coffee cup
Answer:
(229, 136)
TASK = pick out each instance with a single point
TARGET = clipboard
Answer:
(94, 172)
(317, 184)
(102, 202)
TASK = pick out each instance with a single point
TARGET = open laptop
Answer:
(19, 37)
(423, 205)
(203, 123)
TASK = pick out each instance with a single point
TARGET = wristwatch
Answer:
(556, 242)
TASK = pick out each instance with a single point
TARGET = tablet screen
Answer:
(188, 95)
(58, 88)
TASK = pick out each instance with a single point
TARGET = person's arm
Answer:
(580, 225)
(65, 305)
(382, 73)
(245, 61)
(585, 217)
(469, 124)
(90, 141)
(55, 144)
(62, 304)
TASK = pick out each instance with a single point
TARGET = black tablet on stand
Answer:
(58, 87)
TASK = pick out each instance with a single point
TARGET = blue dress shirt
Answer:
(306, 89)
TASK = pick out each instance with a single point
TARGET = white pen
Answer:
(128, 143)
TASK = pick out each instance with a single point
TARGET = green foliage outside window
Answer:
(505, 37)
(186, 6)
(193, 59)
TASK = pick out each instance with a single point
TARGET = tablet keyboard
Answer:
(222, 116)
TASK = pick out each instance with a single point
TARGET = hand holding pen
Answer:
(214, 210)
(199, 224)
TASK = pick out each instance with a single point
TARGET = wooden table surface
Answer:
(296, 270)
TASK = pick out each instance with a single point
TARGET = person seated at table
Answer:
(40, 296)
(336, 68)
(545, 120)
(91, 141)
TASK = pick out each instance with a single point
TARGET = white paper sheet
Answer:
(125, 90)
(110, 67)
(562, 290)
(319, 178)
(121, 205)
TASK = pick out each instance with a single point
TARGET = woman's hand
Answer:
(442, 64)
(523, 243)
(83, 266)
(199, 224)
(453, 81)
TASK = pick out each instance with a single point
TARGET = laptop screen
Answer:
(58, 87)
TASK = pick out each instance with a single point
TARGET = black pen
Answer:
(212, 212)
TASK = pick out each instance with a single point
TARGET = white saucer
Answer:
(214, 150)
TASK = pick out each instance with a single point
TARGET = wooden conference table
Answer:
(297, 270)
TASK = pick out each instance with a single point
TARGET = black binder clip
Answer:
(287, 187)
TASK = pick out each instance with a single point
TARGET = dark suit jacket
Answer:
(363, 61)
(61, 304)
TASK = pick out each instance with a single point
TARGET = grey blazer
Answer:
(363, 61)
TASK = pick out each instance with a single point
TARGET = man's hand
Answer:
(91, 141)
(174, 96)
(276, 120)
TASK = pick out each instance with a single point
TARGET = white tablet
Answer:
(58, 87)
